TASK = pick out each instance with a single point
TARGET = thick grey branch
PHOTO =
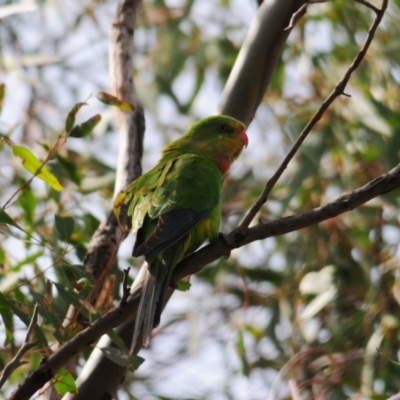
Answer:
(257, 59)
(131, 125)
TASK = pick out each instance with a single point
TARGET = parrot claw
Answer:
(227, 240)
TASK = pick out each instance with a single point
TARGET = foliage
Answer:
(320, 305)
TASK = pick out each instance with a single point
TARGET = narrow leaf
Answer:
(85, 129)
(241, 349)
(32, 164)
(70, 121)
(88, 126)
(64, 227)
(111, 100)
(122, 358)
(28, 204)
(71, 168)
(69, 294)
(117, 340)
(6, 313)
(6, 219)
(76, 132)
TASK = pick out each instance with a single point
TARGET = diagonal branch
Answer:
(377, 187)
(194, 263)
(336, 92)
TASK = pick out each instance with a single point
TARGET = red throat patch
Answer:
(223, 165)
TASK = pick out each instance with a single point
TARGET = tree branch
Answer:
(257, 59)
(337, 91)
(194, 263)
(26, 346)
(131, 125)
(377, 187)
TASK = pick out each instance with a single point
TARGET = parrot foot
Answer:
(229, 242)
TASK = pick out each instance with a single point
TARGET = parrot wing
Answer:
(171, 227)
(186, 194)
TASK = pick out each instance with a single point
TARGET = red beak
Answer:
(244, 138)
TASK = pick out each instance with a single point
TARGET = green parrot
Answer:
(176, 206)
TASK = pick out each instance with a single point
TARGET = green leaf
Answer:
(28, 204)
(76, 299)
(72, 170)
(184, 286)
(88, 126)
(64, 226)
(241, 349)
(122, 358)
(91, 223)
(32, 164)
(76, 132)
(6, 219)
(70, 121)
(117, 340)
(47, 311)
(6, 313)
(64, 382)
(111, 100)
(85, 129)
(69, 294)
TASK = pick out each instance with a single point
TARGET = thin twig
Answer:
(369, 5)
(337, 91)
(296, 16)
(16, 362)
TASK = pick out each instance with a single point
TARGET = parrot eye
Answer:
(222, 127)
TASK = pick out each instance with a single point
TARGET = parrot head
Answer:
(219, 137)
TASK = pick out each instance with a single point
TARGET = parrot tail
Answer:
(157, 280)
(150, 305)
